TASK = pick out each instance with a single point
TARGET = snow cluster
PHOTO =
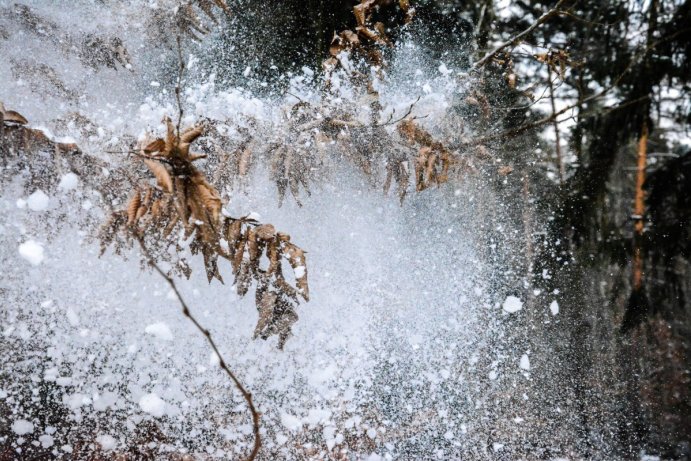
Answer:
(38, 201)
(160, 331)
(512, 304)
(32, 252)
(153, 404)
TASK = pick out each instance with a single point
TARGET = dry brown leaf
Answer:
(161, 174)
(362, 11)
(296, 257)
(185, 198)
(132, 208)
(244, 161)
(14, 117)
(155, 146)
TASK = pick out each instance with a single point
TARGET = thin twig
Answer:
(408, 112)
(181, 70)
(207, 334)
(148, 157)
(516, 38)
(296, 96)
(581, 101)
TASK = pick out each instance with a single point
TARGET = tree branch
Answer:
(178, 90)
(517, 38)
(207, 334)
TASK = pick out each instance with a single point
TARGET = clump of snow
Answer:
(525, 362)
(107, 442)
(68, 181)
(22, 427)
(72, 317)
(160, 330)
(32, 251)
(153, 404)
(329, 434)
(76, 400)
(292, 423)
(512, 304)
(554, 307)
(443, 69)
(38, 201)
(46, 440)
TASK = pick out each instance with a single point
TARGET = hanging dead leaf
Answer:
(157, 145)
(11, 116)
(161, 174)
(132, 208)
(185, 200)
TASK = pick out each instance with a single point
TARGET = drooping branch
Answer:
(183, 199)
(605, 91)
(207, 334)
(517, 38)
(178, 83)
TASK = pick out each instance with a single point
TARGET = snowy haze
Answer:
(401, 352)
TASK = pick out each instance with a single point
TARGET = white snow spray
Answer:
(398, 355)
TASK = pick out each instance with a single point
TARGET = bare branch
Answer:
(178, 90)
(517, 38)
(207, 334)
(408, 112)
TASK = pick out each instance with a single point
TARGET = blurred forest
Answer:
(587, 106)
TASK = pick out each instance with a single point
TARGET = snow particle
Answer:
(512, 304)
(443, 69)
(554, 307)
(32, 251)
(46, 440)
(72, 317)
(153, 404)
(107, 442)
(525, 362)
(160, 330)
(291, 422)
(22, 427)
(68, 181)
(38, 201)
